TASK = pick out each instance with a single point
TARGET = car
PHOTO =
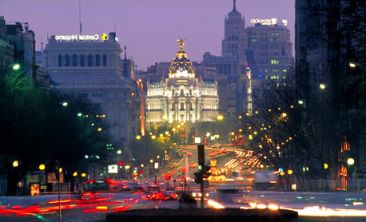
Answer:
(170, 194)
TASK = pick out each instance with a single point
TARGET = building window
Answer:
(104, 60)
(67, 60)
(59, 60)
(74, 60)
(173, 107)
(275, 61)
(97, 60)
(190, 92)
(90, 60)
(181, 92)
(181, 106)
(82, 60)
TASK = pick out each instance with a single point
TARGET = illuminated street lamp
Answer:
(326, 166)
(75, 174)
(138, 137)
(352, 65)
(119, 152)
(322, 86)
(15, 163)
(64, 103)
(79, 114)
(83, 174)
(151, 160)
(300, 102)
(290, 172)
(42, 167)
(220, 117)
(350, 161)
(16, 66)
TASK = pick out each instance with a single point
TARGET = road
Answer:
(45, 208)
(326, 206)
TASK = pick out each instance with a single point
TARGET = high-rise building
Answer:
(181, 97)
(90, 67)
(231, 65)
(270, 52)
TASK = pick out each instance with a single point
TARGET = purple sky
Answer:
(149, 28)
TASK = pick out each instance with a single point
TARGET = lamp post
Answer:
(353, 176)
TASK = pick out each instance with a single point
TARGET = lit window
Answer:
(275, 62)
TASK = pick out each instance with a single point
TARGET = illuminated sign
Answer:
(68, 38)
(268, 21)
(113, 168)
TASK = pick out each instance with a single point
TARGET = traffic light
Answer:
(201, 154)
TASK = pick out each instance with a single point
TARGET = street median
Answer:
(202, 215)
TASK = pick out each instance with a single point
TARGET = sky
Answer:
(149, 28)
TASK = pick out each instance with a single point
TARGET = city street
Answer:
(346, 206)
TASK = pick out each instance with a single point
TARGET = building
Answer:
(90, 66)
(270, 51)
(17, 45)
(231, 65)
(181, 96)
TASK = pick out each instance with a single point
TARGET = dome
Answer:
(181, 66)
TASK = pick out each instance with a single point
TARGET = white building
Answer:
(181, 97)
(90, 66)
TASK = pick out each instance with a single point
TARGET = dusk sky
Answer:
(149, 28)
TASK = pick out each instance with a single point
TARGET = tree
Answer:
(40, 126)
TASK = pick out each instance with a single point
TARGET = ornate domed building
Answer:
(181, 97)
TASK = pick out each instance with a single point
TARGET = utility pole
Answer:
(59, 189)
(201, 163)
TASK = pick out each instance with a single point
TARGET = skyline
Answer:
(151, 37)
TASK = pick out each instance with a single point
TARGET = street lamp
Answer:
(352, 65)
(350, 161)
(42, 167)
(322, 86)
(16, 66)
(15, 163)
(220, 117)
(64, 103)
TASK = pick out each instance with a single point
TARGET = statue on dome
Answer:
(181, 44)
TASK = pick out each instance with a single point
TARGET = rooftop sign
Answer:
(268, 21)
(76, 37)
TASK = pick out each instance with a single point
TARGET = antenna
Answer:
(81, 26)
(114, 27)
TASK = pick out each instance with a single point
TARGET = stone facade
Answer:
(181, 97)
